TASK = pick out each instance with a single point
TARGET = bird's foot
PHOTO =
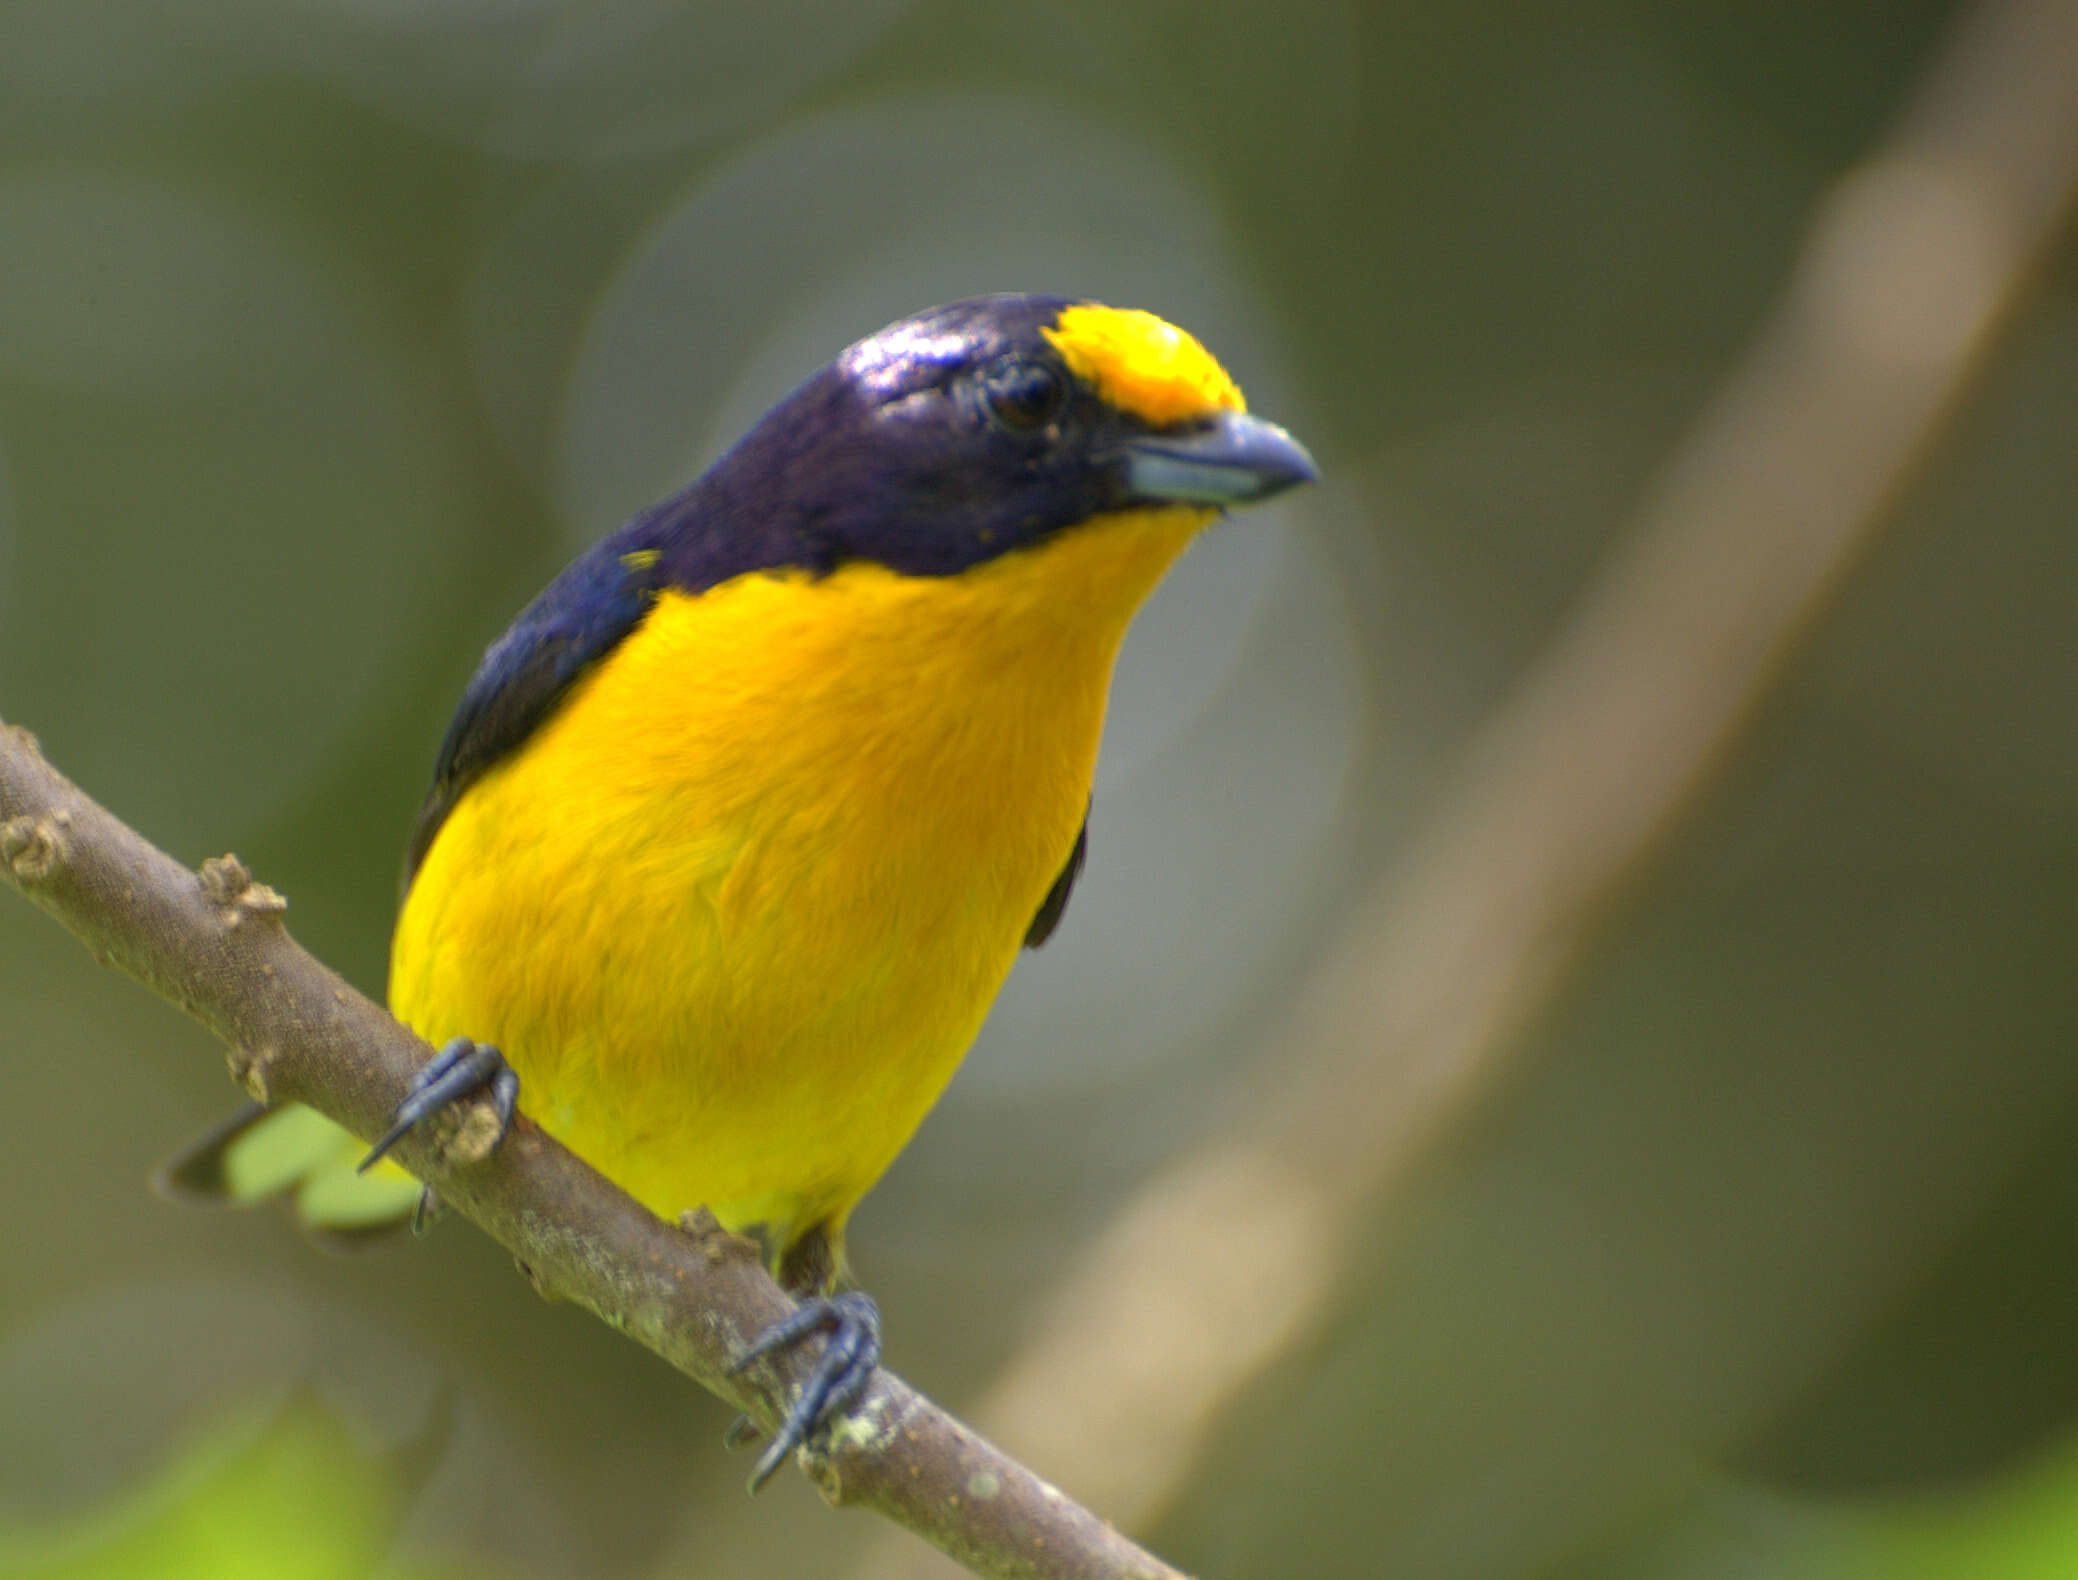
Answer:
(850, 1325)
(460, 1069)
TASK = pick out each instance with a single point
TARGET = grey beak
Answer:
(1233, 460)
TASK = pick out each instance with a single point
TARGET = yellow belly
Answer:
(737, 909)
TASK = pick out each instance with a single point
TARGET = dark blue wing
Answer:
(1055, 905)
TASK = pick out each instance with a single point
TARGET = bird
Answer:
(741, 824)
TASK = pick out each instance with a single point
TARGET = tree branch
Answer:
(213, 944)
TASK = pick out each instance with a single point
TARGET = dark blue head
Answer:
(962, 433)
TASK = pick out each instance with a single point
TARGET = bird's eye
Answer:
(1024, 396)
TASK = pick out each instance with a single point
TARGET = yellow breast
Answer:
(736, 910)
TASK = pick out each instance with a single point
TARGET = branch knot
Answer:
(249, 1069)
(470, 1135)
(32, 847)
(714, 1242)
(230, 886)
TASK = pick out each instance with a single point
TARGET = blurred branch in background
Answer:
(1230, 1257)
(212, 943)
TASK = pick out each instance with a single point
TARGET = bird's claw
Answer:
(850, 1324)
(458, 1070)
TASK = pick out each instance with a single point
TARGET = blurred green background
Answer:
(329, 329)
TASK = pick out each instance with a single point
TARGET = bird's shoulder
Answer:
(583, 615)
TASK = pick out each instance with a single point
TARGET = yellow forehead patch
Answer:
(1142, 364)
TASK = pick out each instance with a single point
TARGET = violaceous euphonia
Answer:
(742, 823)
